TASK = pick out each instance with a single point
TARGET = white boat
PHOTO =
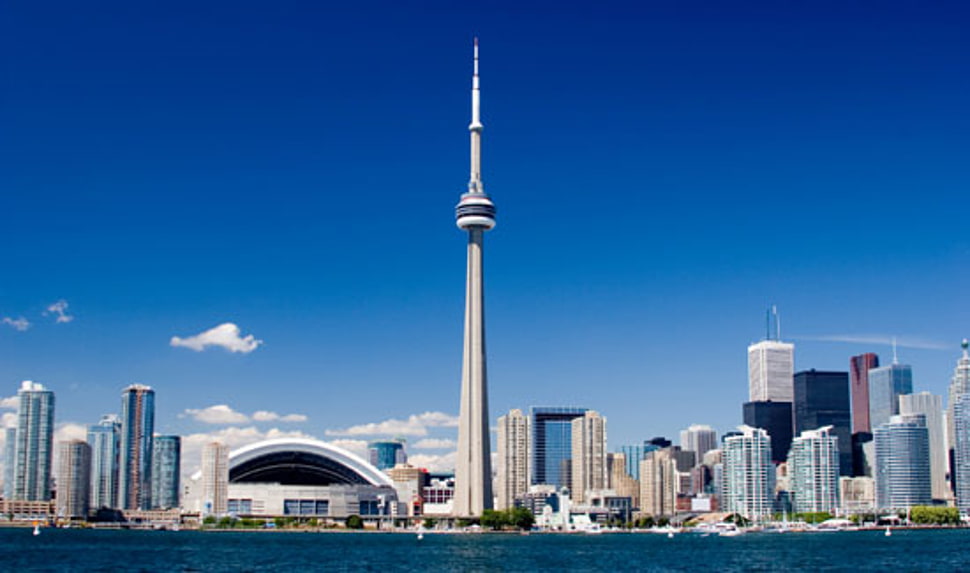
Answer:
(888, 532)
(36, 530)
(729, 530)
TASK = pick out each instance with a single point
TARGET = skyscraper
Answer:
(552, 444)
(35, 441)
(135, 461)
(886, 385)
(9, 460)
(105, 441)
(959, 385)
(475, 213)
(771, 364)
(513, 457)
(859, 367)
(774, 418)
(749, 474)
(961, 446)
(588, 455)
(166, 467)
(699, 439)
(658, 483)
(813, 470)
(385, 454)
(902, 471)
(822, 399)
(215, 478)
(931, 408)
(74, 479)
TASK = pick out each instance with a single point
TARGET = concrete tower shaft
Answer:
(476, 214)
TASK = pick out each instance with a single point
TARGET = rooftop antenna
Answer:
(895, 358)
(767, 324)
(774, 310)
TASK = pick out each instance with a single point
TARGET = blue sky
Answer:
(663, 172)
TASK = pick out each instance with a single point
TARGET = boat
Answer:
(729, 530)
(888, 532)
(36, 529)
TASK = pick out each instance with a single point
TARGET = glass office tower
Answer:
(552, 444)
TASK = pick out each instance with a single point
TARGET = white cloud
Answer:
(358, 447)
(226, 335)
(265, 416)
(70, 431)
(415, 425)
(218, 414)
(434, 463)
(10, 403)
(435, 444)
(881, 339)
(59, 308)
(19, 324)
(8, 420)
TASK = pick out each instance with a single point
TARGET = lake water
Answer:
(88, 550)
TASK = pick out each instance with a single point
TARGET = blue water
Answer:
(86, 550)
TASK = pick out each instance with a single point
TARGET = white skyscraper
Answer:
(699, 439)
(105, 441)
(959, 385)
(74, 479)
(513, 457)
(749, 474)
(771, 369)
(902, 471)
(215, 478)
(475, 213)
(658, 483)
(961, 452)
(589, 455)
(931, 407)
(813, 471)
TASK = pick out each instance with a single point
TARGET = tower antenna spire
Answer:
(895, 357)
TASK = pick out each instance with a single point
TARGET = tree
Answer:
(521, 518)
(930, 515)
(493, 519)
(354, 522)
(430, 523)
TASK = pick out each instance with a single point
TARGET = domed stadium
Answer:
(300, 478)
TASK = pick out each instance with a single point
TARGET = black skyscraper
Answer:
(822, 399)
(774, 418)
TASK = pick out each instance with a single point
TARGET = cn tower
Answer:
(475, 213)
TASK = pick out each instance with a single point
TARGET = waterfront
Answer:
(88, 550)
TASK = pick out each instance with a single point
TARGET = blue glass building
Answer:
(166, 466)
(885, 386)
(552, 444)
(35, 439)
(822, 399)
(104, 439)
(135, 464)
(384, 455)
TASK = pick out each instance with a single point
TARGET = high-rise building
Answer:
(552, 444)
(74, 479)
(959, 385)
(902, 471)
(749, 474)
(475, 213)
(513, 457)
(35, 443)
(105, 441)
(699, 439)
(632, 456)
(886, 385)
(931, 408)
(771, 364)
(9, 460)
(166, 467)
(813, 470)
(385, 454)
(620, 480)
(215, 478)
(859, 367)
(961, 447)
(822, 399)
(135, 454)
(659, 482)
(775, 418)
(588, 455)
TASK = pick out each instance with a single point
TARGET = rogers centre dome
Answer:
(297, 478)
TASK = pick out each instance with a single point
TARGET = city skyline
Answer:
(203, 220)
